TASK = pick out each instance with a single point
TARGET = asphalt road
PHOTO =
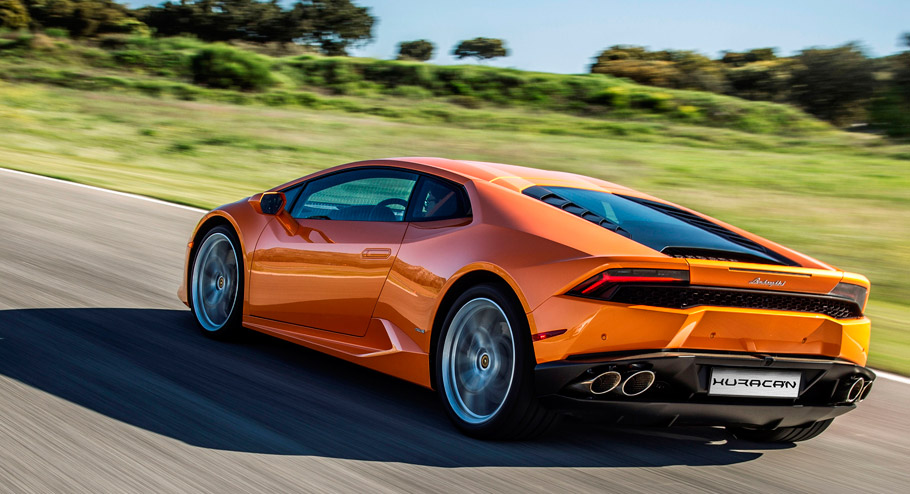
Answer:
(106, 386)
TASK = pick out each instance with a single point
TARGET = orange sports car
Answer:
(521, 294)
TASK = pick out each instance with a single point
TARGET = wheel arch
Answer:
(461, 284)
(210, 221)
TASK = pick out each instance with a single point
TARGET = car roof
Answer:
(512, 176)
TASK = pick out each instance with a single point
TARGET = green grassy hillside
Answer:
(469, 95)
(843, 198)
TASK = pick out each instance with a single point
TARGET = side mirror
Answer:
(268, 202)
(272, 204)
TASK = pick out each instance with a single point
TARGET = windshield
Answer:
(658, 226)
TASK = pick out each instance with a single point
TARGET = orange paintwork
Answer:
(370, 292)
(306, 280)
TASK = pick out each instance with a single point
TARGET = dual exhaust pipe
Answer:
(856, 390)
(633, 384)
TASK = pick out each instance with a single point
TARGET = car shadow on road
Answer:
(152, 369)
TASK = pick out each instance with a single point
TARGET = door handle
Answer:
(376, 253)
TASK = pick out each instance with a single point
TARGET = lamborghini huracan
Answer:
(520, 295)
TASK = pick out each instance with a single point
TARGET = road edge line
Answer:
(101, 189)
(891, 377)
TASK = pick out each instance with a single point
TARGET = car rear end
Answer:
(719, 328)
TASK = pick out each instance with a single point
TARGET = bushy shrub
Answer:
(614, 97)
(410, 92)
(132, 58)
(891, 113)
(336, 71)
(57, 32)
(651, 101)
(151, 88)
(466, 101)
(228, 68)
(768, 81)
(13, 15)
(392, 74)
(171, 43)
(687, 112)
(186, 92)
(649, 72)
(308, 100)
(113, 41)
(278, 98)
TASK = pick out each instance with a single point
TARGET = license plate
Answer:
(756, 383)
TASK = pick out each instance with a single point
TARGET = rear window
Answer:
(661, 227)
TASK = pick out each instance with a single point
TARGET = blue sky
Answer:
(564, 35)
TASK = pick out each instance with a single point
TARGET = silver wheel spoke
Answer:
(478, 360)
(215, 282)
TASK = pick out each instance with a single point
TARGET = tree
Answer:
(218, 20)
(421, 50)
(83, 18)
(765, 80)
(890, 110)
(481, 49)
(678, 69)
(901, 78)
(632, 52)
(13, 15)
(834, 84)
(333, 25)
(739, 59)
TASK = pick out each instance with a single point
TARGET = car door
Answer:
(330, 272)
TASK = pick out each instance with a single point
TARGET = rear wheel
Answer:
(217, 281)
(484, 367)
(781, 434)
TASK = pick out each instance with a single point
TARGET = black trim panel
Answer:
(680, 391)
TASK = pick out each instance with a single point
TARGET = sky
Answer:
(565, 35)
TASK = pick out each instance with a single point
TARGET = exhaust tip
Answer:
(605, 382)
(866, 389)
(638, 383)
(856, 390)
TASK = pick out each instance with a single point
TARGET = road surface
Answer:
(106, 386)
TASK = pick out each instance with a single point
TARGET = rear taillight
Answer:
(603, 284)
(849, 291)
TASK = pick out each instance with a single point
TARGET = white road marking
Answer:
(891, 377)
(116, 192)
(882, 374)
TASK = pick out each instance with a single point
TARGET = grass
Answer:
(842, 198)
(408, 91)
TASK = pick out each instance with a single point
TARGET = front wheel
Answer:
(781, 434)
(484, 367)
(217, 281)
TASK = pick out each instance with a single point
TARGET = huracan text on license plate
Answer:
(758, 383)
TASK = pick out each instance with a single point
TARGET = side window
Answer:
(357, 195)
(290, 196)
(438, 200)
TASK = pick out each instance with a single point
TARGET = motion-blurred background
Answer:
(204, 101)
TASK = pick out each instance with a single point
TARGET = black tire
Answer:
(782, 434)
(227, 323)
(519, 414)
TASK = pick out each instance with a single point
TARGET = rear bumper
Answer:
(597, 326)
(679, 395)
